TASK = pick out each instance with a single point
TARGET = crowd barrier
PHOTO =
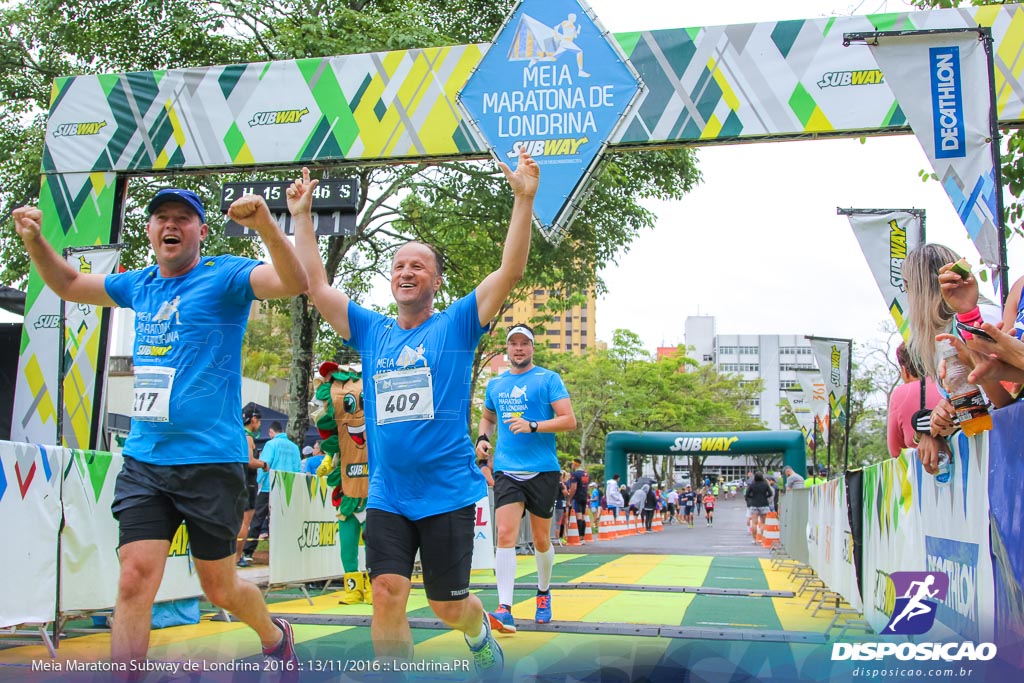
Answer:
(895, 517)
(41, 486)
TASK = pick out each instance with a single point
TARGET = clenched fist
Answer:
(251, 211)
(28, 222)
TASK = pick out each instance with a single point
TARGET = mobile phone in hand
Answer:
(971, 329)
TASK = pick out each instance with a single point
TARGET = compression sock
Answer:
(545, 563)
(505, 573)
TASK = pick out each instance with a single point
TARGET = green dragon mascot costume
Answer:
(338, 413)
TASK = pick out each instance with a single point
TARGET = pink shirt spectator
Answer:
(904, 402)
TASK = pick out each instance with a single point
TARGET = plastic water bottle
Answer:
(969, 402)
(944, 473)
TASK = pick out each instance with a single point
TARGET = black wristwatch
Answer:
(533, 426)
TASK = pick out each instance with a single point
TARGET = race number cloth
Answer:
(188, 369)
(421, 456)
(528, 395)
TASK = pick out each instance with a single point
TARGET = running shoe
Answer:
(543, 608)
(284, 652)
(244, 561)
(488, 659)
(501, 619)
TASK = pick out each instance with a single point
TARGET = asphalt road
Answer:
(727, 536)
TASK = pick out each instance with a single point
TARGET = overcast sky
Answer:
(758, 244)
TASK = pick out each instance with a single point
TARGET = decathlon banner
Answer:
(551, 83)
(815, 395)
(30, 514)
(830, 541)
(89, 564)
(1006, 472)
(483, 536)
(913, 523)
(833, 356)
(941, 81)
(886, 238)
(83, 327)
(303, 529)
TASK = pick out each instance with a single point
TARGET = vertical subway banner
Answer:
(833, 357)
(941, 82)
(81, 352)
(816, 396)
(551, 83)
(886, 239)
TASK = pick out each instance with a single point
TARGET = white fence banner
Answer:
(830, 541)
(912, 523)
(30, 510)
(89, 564)
(483, 537)
(303, 529)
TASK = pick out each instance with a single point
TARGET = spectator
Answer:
(279, 454)
(613, 496)
(314, 457)
(251, 421)
(793, 480)
(773, 502)
(907, 399)
(650, 504)
(579, 484)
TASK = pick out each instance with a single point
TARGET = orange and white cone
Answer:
(588, 534)
(656, 526)
(771, 530)
(605, 526)
(572, 533)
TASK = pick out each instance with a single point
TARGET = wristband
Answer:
(971, 317)
(482, 437)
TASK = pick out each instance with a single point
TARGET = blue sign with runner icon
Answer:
(554, 83)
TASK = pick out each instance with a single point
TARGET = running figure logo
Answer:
(914, 612)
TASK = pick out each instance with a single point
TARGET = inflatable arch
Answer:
(617, 444)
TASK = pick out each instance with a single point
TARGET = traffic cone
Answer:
(760, 532)
(771, 530)
(572, 533)
(588, 534)
(656, 526)
(605, 526)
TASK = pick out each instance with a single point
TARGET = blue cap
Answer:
(173, 194)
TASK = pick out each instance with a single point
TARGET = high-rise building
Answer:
(772, 358)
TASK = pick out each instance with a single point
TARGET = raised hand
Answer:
(251, 210)
(525, 179)
(28, 222)
(961, 293)
(300, 193)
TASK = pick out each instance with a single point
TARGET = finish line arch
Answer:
(618, 444)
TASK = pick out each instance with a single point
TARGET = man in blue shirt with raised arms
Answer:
(186, 454)
(526, 405)
(424, 482)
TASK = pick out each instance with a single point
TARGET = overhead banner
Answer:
(30, 511)
(816, 396)
(941, 81)
(833, 356)
(886, 237)
(83, 327)
(554, 84)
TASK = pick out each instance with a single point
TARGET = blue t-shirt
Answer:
(193, 325)
(281, 454)
(310, 464)
(416, 386)
(528, 395)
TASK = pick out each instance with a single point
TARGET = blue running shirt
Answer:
(187, 404)
(528, 395)
(416, 388)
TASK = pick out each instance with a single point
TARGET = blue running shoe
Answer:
(543, 608)
(488, 659)
(501, 619)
